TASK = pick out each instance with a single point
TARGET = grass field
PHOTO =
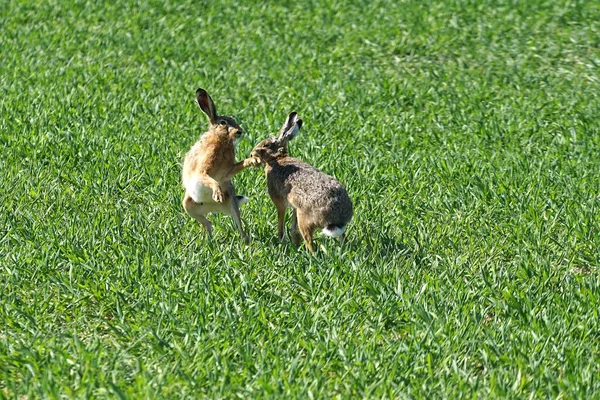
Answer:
(467, 134)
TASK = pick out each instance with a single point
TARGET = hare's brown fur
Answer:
(209, 166)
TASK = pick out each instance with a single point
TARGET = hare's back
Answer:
(309, 187)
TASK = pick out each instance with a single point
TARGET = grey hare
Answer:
(318, 200)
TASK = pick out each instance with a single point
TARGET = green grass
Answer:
(466, 132)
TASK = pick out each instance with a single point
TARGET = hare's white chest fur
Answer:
(193, 186)
(197, 191)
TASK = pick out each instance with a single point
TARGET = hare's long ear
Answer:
(293, 131)
(291, 127)
(289, 122)
(207, 105)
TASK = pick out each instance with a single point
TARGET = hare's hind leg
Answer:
(234, 211)
(306, 229)
(195, 210)
(235, 214)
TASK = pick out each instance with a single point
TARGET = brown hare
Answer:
(318, 200)
(209, 166)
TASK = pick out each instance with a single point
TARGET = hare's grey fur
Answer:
(318, 200)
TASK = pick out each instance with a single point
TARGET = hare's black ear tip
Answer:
(200, 92)
(293, 114)
(299, 123)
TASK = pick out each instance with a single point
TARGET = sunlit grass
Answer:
(467, 134)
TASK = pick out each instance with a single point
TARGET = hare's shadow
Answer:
(391, 246)
(383, 245)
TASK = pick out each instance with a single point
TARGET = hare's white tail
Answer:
(241, 199)
(334, 231)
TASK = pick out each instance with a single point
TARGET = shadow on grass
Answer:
(392, 247)
(384, 246)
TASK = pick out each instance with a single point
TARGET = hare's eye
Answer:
(222, 122)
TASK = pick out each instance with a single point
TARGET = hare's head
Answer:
(276, 147)
(220, 124)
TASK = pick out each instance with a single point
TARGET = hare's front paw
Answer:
(252, 162)
(217, 195)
